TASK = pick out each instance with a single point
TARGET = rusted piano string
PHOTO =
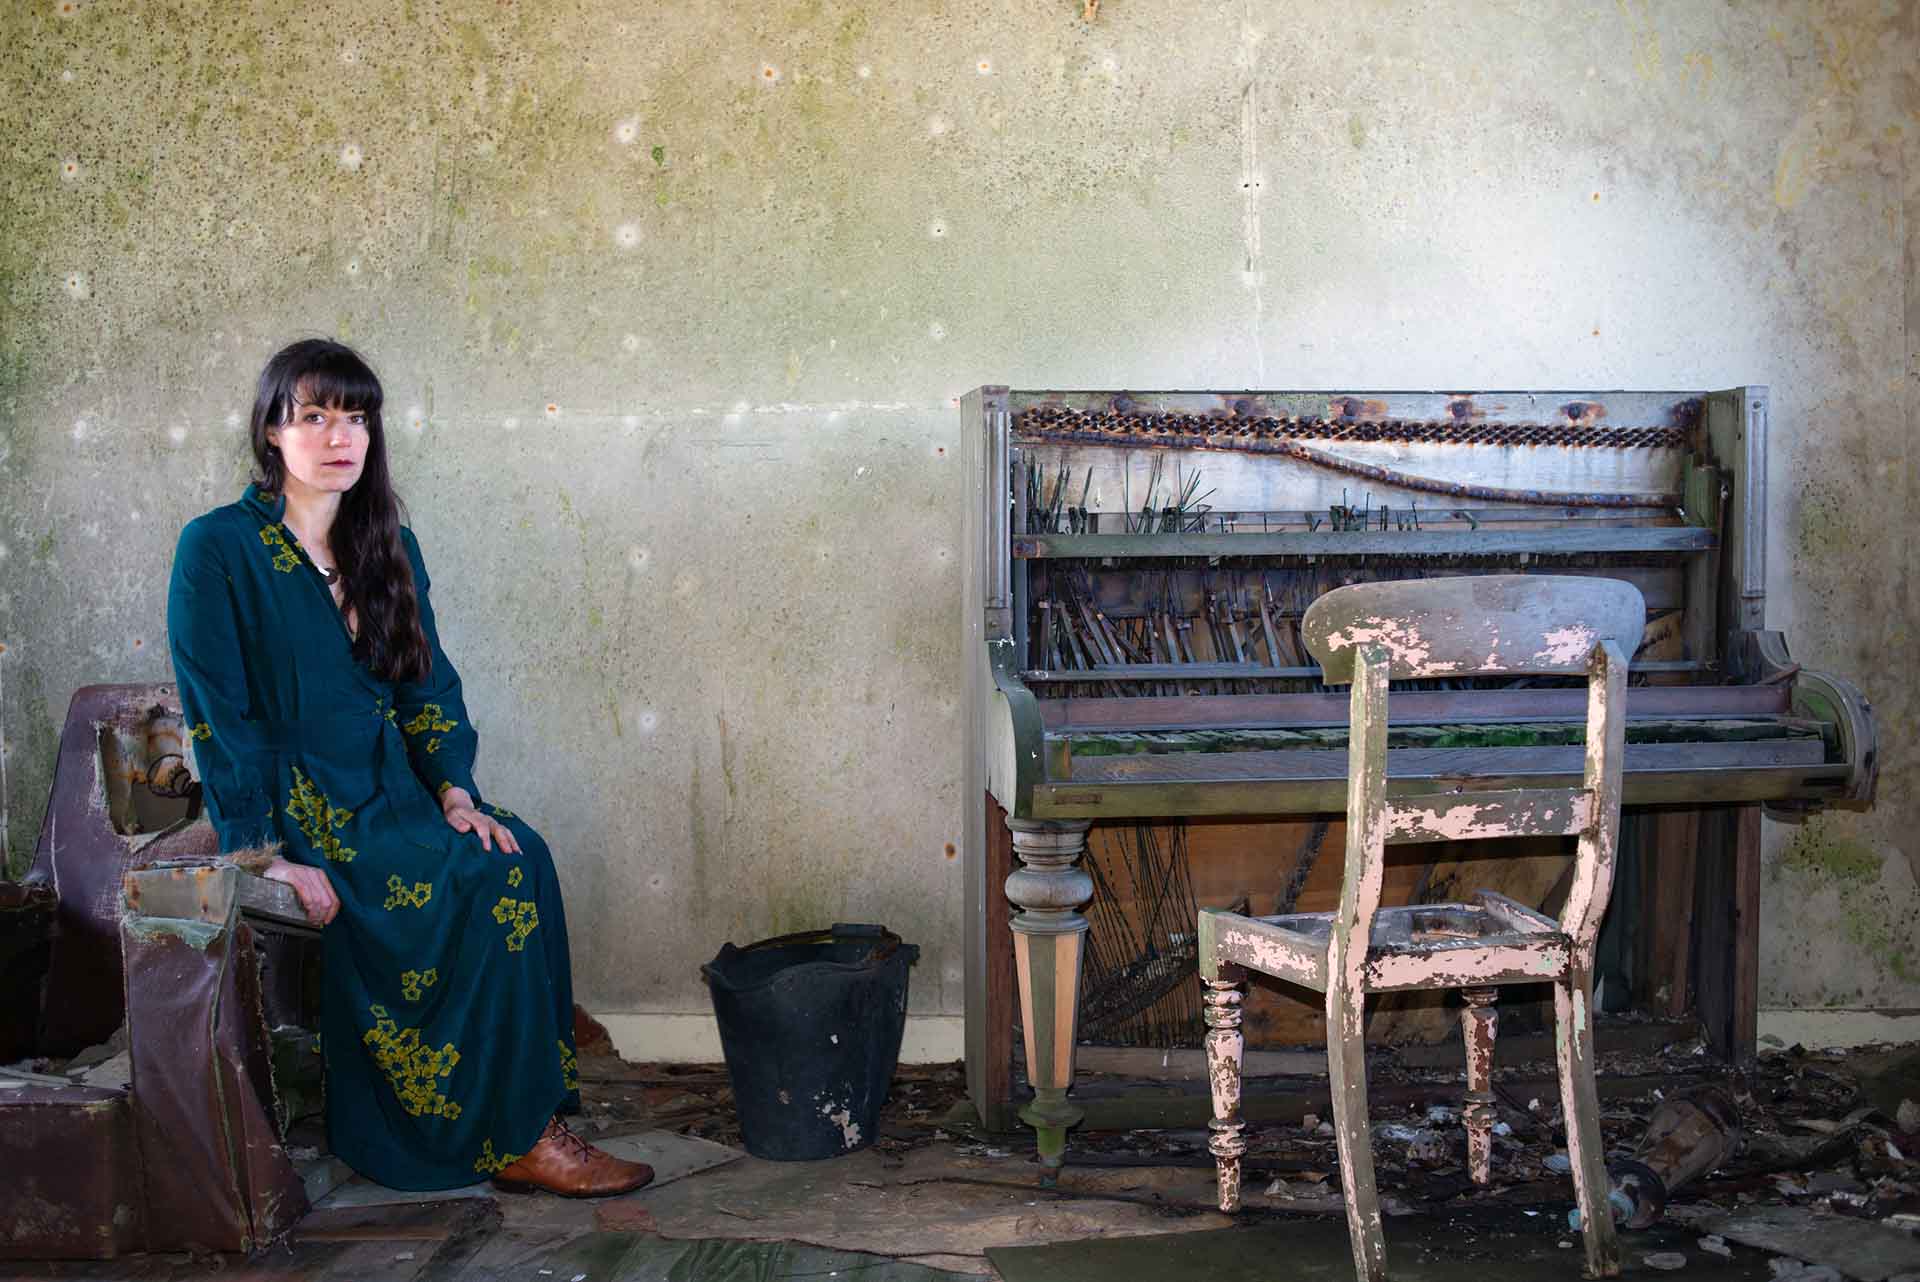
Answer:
(1140, 988)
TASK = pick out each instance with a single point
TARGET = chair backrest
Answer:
(1508, 624)
(1371, 633)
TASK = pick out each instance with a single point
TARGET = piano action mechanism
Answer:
(1137, 567)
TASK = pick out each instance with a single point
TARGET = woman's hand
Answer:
(463, 816)
(311, 885)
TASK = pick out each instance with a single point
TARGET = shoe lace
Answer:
(560, 1133)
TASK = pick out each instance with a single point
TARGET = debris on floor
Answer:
(1867, 1252)
(1819, 1180)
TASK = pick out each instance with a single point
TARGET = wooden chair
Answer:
(1369, 634)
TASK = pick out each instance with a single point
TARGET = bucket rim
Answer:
(889, 945)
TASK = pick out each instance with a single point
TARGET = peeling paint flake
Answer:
(1566, 646)
(842, 1116)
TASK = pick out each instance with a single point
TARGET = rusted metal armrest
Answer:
(212, 892)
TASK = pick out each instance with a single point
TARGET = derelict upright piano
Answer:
(1138, 563)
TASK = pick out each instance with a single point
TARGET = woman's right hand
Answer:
(311, 885)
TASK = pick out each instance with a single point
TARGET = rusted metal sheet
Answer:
(72, 1186)
(104, 817)
(213, 893)
(217, 1176)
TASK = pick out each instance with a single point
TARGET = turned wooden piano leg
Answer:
(1478, 1024)
(1049, 937)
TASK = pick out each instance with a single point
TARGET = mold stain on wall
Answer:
(1823, 861)
(618, 212)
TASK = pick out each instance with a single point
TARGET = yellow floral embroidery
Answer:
(513, 876)
(285, 560)
(308, 807)
(520, 913)
(412, 981)
(488, 1164)
(444, 785)
(433, 745)
(414, 1069)
(569, 1067)
(400, 897)
(501, 812)
(200, 732)
(430, 718)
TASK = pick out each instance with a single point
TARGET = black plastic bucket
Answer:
(810, 1024)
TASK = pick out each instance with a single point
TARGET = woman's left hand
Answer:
(463, 816)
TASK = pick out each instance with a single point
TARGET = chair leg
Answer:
(1580, 1102)
(1224, 1056)
(1347, 1081)
(1479, 1022)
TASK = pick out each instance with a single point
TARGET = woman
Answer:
(330, 735)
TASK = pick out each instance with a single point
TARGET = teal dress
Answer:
(447, 1016)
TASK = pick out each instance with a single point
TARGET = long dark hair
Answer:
(378, 579)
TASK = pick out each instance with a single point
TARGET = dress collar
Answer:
(268, 506)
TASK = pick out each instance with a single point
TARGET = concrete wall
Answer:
(673, 302)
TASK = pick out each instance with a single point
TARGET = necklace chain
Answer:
(329, 574)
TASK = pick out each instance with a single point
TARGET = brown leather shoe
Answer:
(564, 1163)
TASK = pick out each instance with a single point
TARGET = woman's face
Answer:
(322, 448)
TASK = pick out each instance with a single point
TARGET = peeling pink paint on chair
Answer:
(1410, 629)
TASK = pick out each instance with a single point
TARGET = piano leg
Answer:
(1478, 1024)
(1049, 937)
